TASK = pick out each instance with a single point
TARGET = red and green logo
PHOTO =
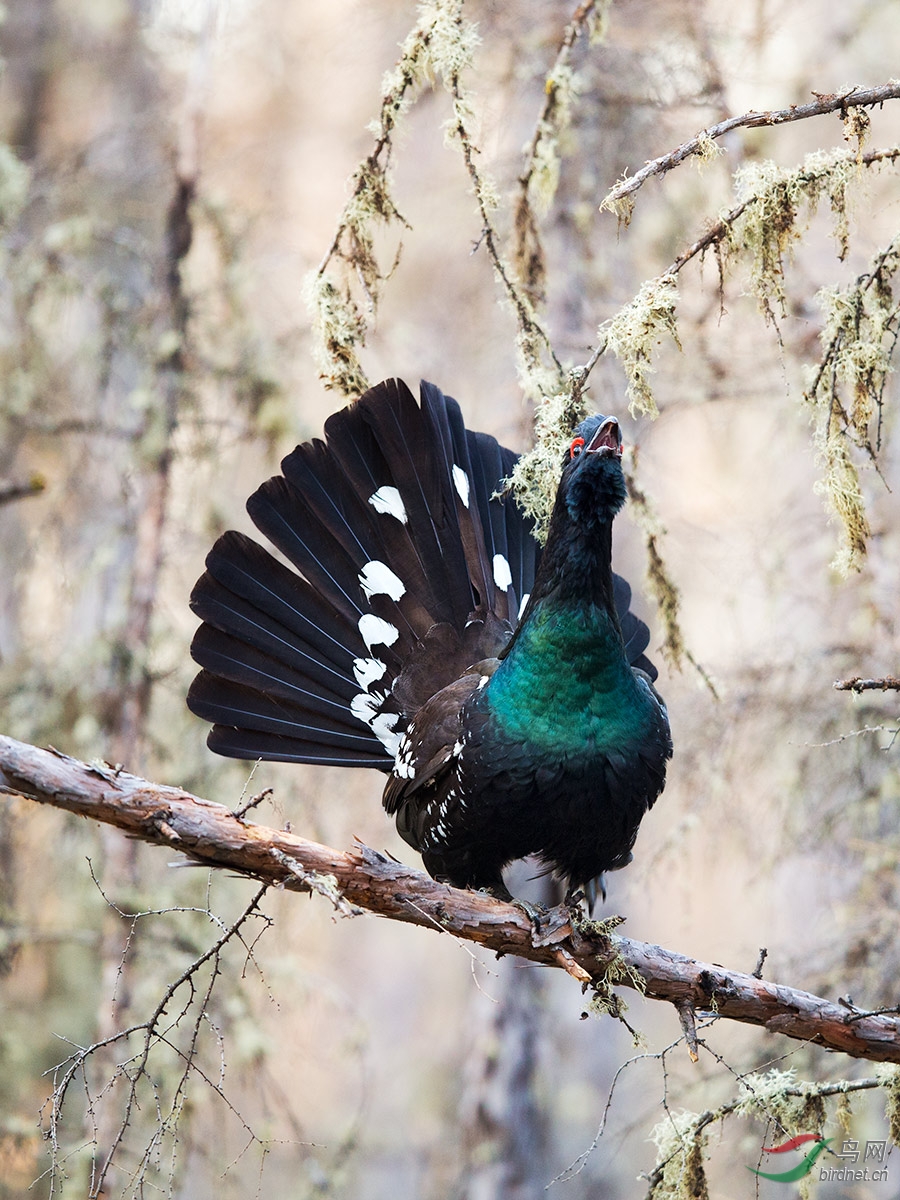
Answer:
(802, 1168)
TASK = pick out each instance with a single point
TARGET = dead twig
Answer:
(700, 143)
(888, 683)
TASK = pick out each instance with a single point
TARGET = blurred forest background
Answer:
(170, 172)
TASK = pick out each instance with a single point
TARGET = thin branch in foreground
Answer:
(618, 199)
(888, 683)
(18, 489)
(210, 833)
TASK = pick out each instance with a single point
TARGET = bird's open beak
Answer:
(607, 439)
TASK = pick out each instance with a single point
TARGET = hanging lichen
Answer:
(846, 391)
(340, 329)
(681, 1174)
(535, 477)
(767, 225)
(665, 593)
(440, 44)
(888, 1076)
(635, 331)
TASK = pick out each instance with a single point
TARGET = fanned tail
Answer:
(385, 523)
(393, 527)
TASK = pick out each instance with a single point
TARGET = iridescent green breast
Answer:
(566, 687)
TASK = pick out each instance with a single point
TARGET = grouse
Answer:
(425, 633)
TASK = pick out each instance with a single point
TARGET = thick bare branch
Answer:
(210, 833)
(823, 104)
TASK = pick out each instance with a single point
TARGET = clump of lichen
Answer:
(535, 477)
(889, 1077)
(778, 1096)
(767, 225)
(846, 389)
(666, 594)
(340, 329)
(635, 331)
(795, 1107)
(440, 45)
(681, 1143)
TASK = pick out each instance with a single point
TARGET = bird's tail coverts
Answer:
(393, 525)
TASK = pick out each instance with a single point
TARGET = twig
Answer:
(209, 832)
(889, 683)
(528, 249)
(241, 812)
(528, 323)
(714, 235)
(823, 104)
(18, 489)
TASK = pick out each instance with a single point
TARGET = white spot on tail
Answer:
(502, 573)
(364, 707)
(379, 580)
(376, 632)
(461, 483)
(388, 500)
(367, 670)
(522, 606)
(383, 728)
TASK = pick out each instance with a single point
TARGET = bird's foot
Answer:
(586, 894)
(536, 913)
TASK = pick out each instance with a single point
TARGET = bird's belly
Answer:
(578, 813)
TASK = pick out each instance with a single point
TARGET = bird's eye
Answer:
(576, 448)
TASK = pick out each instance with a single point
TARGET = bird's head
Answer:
(592, 480)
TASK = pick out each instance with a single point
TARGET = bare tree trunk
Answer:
(504, 1134)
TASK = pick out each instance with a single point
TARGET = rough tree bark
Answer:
(364, 880)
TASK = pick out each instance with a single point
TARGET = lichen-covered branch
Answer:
(620, 198)
(339, 322)
(540, 176)
(210, 833)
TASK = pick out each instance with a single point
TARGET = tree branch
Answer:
(823, 104)
(890, 683)
(211, 833)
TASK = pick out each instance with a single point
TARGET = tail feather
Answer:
(392, 528)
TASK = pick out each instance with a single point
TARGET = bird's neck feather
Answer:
(576, 566)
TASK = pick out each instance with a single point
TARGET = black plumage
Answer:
(423, 632)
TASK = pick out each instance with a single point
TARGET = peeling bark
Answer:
(365, 879)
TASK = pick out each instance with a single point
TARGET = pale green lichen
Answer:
(440, 46)
(768, 226)
(707, 149)
(543, 179)
(857, 124)
(621, 207)
(598, 22)
(15, 180)
(888, 1076)
(662, 587)
(535, 477)
(452, 41)
(859, 335)
(681, 1143)
(340, 330)
(635, 331)
(795, 1107)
